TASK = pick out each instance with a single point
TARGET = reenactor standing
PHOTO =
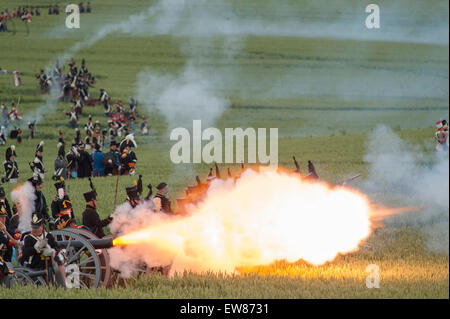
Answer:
(39, 251)
(19, 136)
(104, 98)
(128, 161)
(441, 136)
(162, 204)
(72, 163)
(61, 165)
(40, 203)
(37, 166)
(6, 240)
(31, 129)
(112, 160)
(91, 218)
(84, 161)
(4, 203)
(10, 165)
(61, 205)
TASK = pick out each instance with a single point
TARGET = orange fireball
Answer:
(259, 218)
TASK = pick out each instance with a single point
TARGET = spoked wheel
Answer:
(83, 267)
(38, 276)
(20, 278)
(102, 254)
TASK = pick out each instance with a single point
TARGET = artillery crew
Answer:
(39, 245)
(40, 203)
(10, 165)
(162, 204)
(6, 240)
(132, 196)
(91, 218)
(61, 205)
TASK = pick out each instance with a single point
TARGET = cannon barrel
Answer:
(96, 243)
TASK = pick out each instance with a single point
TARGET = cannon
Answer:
(86, 262)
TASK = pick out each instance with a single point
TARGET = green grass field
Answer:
(325, 96)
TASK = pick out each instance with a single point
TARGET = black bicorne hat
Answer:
(60, 184)
(132, 193)
(89, 196)
(36, 180)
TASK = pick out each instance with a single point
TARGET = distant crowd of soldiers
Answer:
(26, 13)
(77, 163)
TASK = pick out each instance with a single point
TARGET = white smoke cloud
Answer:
(125, 220)
(181, 99)
(25, 196)
(403, 173)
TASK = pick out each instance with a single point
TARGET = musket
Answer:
(139, 185)
(351, 179)
(296, 165)
(217, 171)
(92, 186)
(150, 191)
(312, 171)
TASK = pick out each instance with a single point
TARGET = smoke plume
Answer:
(407, 174)
(24, 195)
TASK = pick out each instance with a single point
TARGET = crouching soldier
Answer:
(40, 203)
(132, 196)
(91, 219)
(162, 204)
(39, 251)
(65, 221)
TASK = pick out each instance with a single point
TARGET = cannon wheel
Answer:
(37, 279)
(20, 278)
(101, 253)
(85, 258)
